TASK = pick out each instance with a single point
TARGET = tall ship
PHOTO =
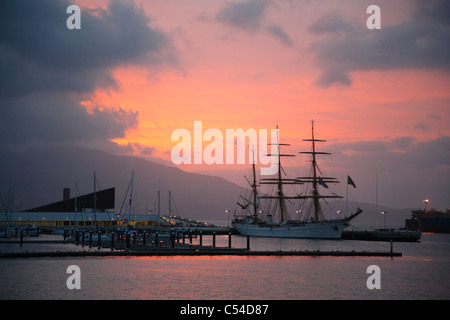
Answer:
(429, 220)
(276, 222)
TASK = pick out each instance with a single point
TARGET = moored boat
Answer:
(313, 226)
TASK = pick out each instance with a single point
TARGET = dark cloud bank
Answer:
(420, 42)
(48, 69)
(250, 16)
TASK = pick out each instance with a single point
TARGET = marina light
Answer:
(228, 217)
(384, 217)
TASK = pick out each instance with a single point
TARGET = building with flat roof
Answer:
(95, 209)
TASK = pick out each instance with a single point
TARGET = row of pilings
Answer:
(123, 239)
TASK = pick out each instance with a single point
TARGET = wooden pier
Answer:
(123, 243)
(196, 252)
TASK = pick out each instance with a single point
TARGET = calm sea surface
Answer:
(423, 272)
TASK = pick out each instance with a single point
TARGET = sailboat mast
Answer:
(169, 203)
(314, 164)
(95, 201)
(159, 202)
(170, 210)
(131, 196)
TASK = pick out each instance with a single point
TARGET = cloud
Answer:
(278, 32)
(402, 142)
(408, 169)
(420, 42)
(38, 52)
(332, 22)
(59, 118)
(250, 16)
(47, 69)
(246, 15)
(421, 126)
(401, 152)
(434, 116)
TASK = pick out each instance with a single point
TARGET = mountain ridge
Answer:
(39, 176)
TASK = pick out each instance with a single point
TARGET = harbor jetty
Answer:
(175, 243)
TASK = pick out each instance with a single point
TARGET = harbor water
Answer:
(422, 273)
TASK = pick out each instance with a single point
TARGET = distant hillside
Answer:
(39, 176)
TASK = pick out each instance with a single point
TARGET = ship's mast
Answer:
(253, 184)
(254, 189)
(315, 191)
(315, 179)
(279, 181)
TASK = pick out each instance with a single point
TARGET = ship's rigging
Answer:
(279, 182)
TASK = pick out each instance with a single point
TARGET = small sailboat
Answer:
(253, 223)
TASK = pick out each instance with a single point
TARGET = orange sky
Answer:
(364, 112)
(232, 77)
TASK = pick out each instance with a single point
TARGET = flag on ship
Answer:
(350, 181)
(322, 183)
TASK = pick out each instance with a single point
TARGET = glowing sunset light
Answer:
(135, 72)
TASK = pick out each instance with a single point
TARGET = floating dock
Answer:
(182, 250)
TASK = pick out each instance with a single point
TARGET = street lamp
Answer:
(426, 203)
(384, 217)
(228, 216)
(299, 212)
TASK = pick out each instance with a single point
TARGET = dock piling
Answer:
(112, 240)
(99, 240)
(127, 241)
(392, 248)
(82, 238)
(172, 239)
